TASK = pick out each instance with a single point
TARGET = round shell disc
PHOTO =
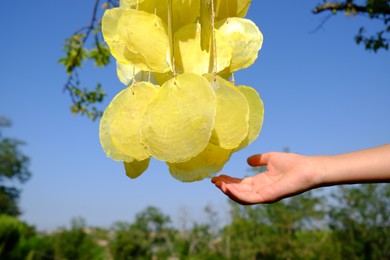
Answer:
(110, 31)
(231, 119)
(146, 34)
(245, 39)
(177, 123)
(136, 168)
(210, 161)
(256, 114)
(183, 11)
(191, 57)
(231, 8)
(119, 130)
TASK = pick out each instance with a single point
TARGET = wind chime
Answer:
(181, 103)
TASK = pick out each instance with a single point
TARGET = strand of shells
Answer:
(176, 58)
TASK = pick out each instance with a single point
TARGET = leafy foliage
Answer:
(148, 236)
(361, 220)
(13, 235)
(13, 166)
(275, 231)
(86, 44)
(76, 243)
(373, 9)
(354, 224)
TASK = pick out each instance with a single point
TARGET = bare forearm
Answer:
(365, 166)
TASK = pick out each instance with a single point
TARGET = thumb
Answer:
(258, 159)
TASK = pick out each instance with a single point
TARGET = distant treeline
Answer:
(351, 223)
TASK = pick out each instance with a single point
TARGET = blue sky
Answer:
(323, 94)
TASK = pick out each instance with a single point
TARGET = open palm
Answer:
(287, 174)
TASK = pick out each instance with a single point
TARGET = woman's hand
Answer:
(287, 174)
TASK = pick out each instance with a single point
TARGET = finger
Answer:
(258, 159)
(225, 178)
(215, 179)
(229, 179)
(219, 184)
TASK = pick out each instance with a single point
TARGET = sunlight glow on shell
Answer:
(180, 103)
(177, 123)
(120, 126)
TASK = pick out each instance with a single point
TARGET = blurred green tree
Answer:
(150, 236)
(288, 229)
(360, 221)
(76, 243)
(14, 237)
(13, 167)
(203, 240)
(10, 234)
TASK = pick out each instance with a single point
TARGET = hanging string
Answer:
(134, 81)
(214, 42)
(170, 36)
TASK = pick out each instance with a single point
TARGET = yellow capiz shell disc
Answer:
(116, 41)
(189, 55)
(157, 7)
(210, 161)
(245, 40)
(256, 114)
(183, 11)
(146, 34)
(135, 168)
(231, 8)
(224, 52)
(231, 119)
(120, 134)
(177, 123)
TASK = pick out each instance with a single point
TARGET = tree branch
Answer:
(350, 5)
(77, 53)
(328, 6)
(374, 9)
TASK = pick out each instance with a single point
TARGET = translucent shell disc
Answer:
(231, 119)
(189, 55)
(158, 7)
(256, 114)
(177, 124)
(111, 33)
(146, 34)
(245, 39)
(184, 11)
(120, 134)
(231, 8)
(136, 168)
(210, 161)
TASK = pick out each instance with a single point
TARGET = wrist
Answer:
(319, 171)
